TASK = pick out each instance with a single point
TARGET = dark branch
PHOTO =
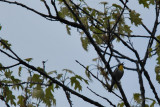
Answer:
(8, 67)
(47, 7)
(3, 99)
(68, 97)
(141, 85)
(102, 97)
(3, 84)
(10, 56)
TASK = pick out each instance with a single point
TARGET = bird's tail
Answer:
(111, 87)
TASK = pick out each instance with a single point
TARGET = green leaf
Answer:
(153, 102)
(98, 39)
(1, 67)
(14, 81)
(95, 59)
(117, 6)
(36, 78)
(87, 73)
(103, 3)
(64, 11)
(135, 18)
(4, 43)
(59, 76)
(8, 73)
(149, 51)
(49, 97)
(84, 21)
(158, 37)
(75, 82)
(21, 101)
(9, 96)
(51, 72)
(19, 70)
(38, 93)
(40, 69)
(137, 97)
(157, 71)
(158, 60)
(127, 30)
(57, 86)
(29, 79)
(68, 70)
(85, 43)
(158, 78)
(144, 2)
(151, 2)
(120, 104)
(30, 105)
(68, 30)
(0, 27)
(28, 59)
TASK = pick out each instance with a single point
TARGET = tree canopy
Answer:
(111, 30)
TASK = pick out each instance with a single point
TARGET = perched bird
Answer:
(117, 74)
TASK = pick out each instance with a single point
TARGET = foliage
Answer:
(104, 30)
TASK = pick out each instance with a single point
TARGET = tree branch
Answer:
(102, 97)
(141, 85)
(47, 7)
(3, 99)
(68, 97)
(8, 67)
(3, 84)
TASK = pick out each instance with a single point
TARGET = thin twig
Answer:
(3, 99)
(141, 85)
(8, 67)
(3, 84)
(102, 97)
(68, 97)
(47, 7)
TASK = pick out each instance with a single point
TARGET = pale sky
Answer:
(36, 37)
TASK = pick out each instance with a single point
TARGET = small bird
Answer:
(118, 73)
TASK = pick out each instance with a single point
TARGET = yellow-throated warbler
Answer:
(117, 74)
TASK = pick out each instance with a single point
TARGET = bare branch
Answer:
(24, 6)
(55, 8)
(8, 67)
(9, 49)
(141, 85)
(3, 84)
(151, 85)
(68, 97)
(47, 7)
(3, 99)
(10, 56)
(102, 97)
